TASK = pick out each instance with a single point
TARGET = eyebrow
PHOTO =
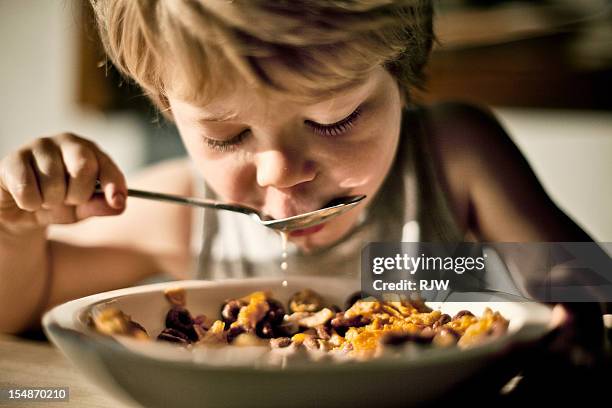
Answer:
(220, 117)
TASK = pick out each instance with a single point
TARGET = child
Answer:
(282, 106)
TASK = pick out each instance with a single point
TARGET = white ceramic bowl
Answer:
(157, 374)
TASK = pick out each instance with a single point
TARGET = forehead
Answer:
(242, 100)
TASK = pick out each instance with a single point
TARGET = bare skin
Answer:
(281, 167)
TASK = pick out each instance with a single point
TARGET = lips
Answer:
(306, 231)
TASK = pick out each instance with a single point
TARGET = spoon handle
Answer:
(192, 201)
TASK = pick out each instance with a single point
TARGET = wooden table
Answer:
(31, 363)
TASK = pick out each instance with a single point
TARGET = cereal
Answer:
(305, 300)
(111, 321)
(362, 331)
(176, 296)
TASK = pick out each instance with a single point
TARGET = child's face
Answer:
(284, 158)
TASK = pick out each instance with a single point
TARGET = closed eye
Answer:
(337, 128)
(227, 145)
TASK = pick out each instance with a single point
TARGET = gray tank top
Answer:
(411, 206)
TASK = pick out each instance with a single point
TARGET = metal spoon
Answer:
(301, 221)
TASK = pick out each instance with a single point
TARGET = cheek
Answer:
(230, 175)
(364, 163)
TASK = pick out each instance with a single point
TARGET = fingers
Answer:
(81, 169)
(85, 164)
(49, 169)
(54, 179)
(559, 316)
(112, 181)
(19, 179)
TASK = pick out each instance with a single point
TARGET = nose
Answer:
(283, 169)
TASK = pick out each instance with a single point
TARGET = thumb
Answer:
(97, 206)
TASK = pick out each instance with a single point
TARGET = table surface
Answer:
(31, 363)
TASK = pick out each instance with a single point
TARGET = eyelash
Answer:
(337, 128)
(333, 129)
(227, 145)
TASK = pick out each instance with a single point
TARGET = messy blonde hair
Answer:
(194, 49)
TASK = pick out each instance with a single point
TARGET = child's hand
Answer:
(52, 181)
(578, 332)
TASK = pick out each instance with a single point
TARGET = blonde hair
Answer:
(196, 48)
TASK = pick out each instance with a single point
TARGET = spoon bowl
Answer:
(310, 219)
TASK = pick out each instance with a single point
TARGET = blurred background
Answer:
(545, 67)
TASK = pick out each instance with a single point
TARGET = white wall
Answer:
(571, 152)
(38, 40)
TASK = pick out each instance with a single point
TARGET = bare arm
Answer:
(97, 254)
(495, 193)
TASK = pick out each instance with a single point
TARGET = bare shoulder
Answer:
(496, 195)
(461, 131)
(467, 142)
(148, 226)
(460, 137)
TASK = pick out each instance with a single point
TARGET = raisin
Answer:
(396, 339)
(230, 310)
(446, 337)
(233, 332)
(341, 323)
(354, 297)
(276, 313)
(180, 319)
(441, 321)
(173, 336)
(463, 313)
(335, 308)
(264, 329)
(136, 328)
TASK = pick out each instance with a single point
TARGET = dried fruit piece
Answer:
(233, 332)
(395, 339)
(276, 312)
(180, 319)
(446, 337)
(444, 318)
(264, 329)
(230, 310)
(173, 336)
